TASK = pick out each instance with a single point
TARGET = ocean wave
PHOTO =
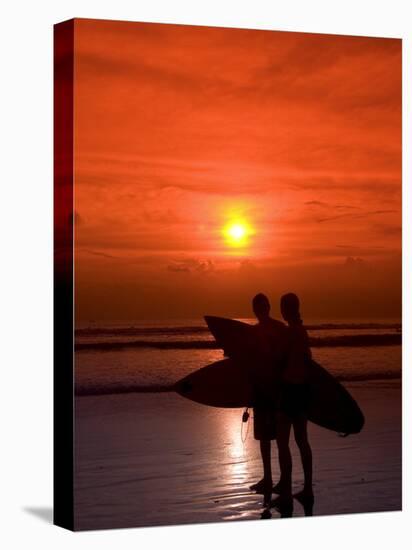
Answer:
(140, 331)
(356, 340)
(203, 329)
(167, 388)
(130, 388)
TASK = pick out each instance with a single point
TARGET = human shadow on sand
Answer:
(285, 507)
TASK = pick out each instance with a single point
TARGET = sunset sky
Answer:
(211, 164)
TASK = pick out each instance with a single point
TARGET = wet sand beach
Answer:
(159, 459)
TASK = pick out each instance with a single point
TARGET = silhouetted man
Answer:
(272, 338)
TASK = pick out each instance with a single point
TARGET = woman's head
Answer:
(290, 308)
(261, 306)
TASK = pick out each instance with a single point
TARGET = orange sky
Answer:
(180, 130)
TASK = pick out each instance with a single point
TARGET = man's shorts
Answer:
(264, 422)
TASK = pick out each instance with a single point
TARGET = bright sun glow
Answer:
(237, 233)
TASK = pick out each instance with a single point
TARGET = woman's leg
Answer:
(267, 467)
(283, 425)
(301, 438)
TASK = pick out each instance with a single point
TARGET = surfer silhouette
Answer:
(272, 337)
(292, 404)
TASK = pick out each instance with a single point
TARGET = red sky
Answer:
(181, 130)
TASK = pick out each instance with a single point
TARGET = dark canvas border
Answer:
(63, 426)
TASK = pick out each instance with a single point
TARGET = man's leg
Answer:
(301, 438)
(260, 426)
(265, 484)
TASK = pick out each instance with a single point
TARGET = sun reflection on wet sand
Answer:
(236, 499)
(237, 459)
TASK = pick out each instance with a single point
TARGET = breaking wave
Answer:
(354, 340)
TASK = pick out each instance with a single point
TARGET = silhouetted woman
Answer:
(293, 403)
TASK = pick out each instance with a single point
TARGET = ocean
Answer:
(120, 357)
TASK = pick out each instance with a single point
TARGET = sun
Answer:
(237, 233)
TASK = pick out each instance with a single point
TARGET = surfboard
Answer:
(227, 383)
(223, 384)
(234, 337)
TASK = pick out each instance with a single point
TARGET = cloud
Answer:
(389, 231)
(97, 253)
(179, 267)
(328, 205)
(356, 247)
(192, 266)
(247, 266)
(353, 262)
(317, 203)
(356, 216)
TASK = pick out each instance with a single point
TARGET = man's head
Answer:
(261, 306)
